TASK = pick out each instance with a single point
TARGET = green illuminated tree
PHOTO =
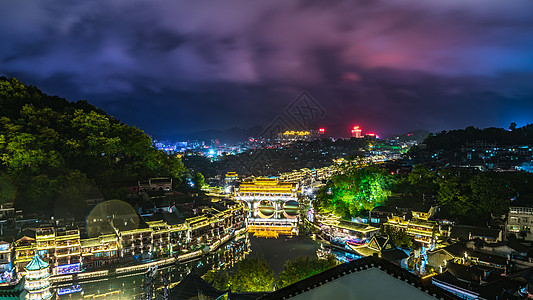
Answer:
(253, 275)
(355, 190)
(198, 180)
(218, 279)
(303, 267)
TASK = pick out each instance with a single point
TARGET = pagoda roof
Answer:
(36, 264)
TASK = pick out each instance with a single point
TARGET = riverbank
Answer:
(142, 267)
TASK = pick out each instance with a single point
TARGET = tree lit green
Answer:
(355, 190)
(303, 267)
(255, 275)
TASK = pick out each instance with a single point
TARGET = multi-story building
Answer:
(161, 239)
(6, 261)
(66, 253)
(100, 251)
(60, 247)
(25, 249)
(178, 238)
(345, 232)
(520, 221)
(421, 229)
(231, 177)
(136, 243)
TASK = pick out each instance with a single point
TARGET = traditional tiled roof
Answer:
(12, 291)
(355, 226)
(36, 264)
(355, 266)
(191, 285)
(457, 250)
(381, 246)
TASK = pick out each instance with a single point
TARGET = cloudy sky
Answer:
(173, 66)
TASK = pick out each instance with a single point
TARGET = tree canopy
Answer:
(50, 147)
(354, 190)
(303, 267)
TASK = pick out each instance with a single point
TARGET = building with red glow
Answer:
(357, 132)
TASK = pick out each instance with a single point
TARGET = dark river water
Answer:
(134, 286)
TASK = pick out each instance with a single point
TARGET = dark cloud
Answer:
(178, 66)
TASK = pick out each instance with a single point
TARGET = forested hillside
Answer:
(453, 139)
(54, 154)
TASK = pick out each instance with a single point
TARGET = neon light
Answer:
(69, 269)
(69, 290)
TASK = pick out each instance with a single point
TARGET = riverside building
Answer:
(67, 253)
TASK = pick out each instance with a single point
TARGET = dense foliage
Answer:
(354, 190)
(303, 267)
(251, 275)
(465, 196)
(468, 197)
(255, 275)
(455, 138)
(56, 153)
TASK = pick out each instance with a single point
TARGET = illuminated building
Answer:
(382, 246)
(63, 249)
(5, 260)
(68, 251)
(60, 247)
(136, 243)
(231, 177)
(420, 228)
(270, 189)
(37, 279)
(24, 252)
(357, 132)
(345, 232)
(306, 177)
(519, 220)
(100, 251)
(298, 135)
(160, 238)
(273, 205)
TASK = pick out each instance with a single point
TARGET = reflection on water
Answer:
(134, 286)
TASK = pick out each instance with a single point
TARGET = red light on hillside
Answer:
(321, 130)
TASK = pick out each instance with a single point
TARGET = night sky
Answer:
(173, 67)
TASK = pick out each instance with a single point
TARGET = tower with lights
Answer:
(37, 279)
